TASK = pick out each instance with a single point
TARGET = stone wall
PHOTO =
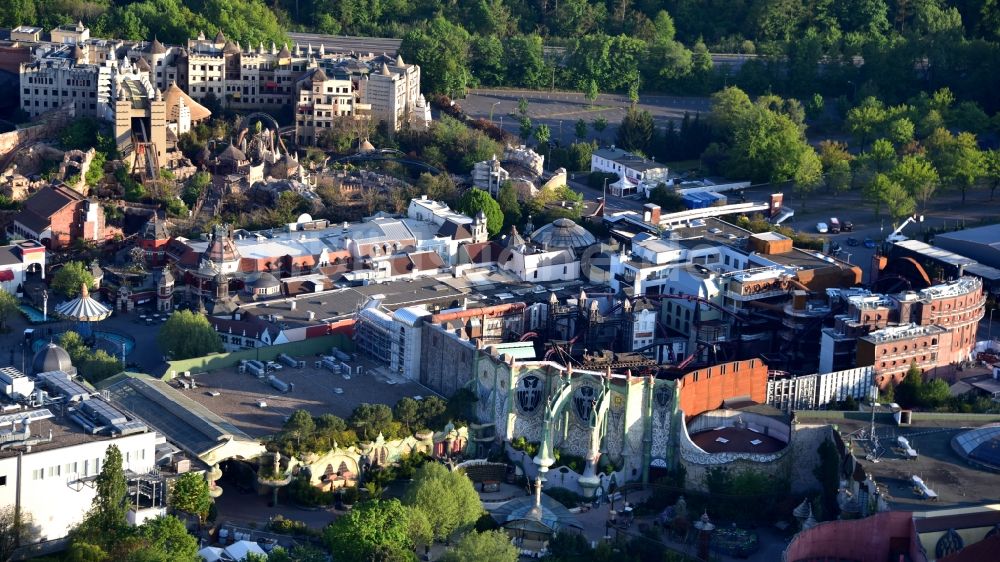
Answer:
(804, 452)
(45, 127)
(796, 462)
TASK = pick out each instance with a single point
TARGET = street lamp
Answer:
(496, 103)
(989, 329)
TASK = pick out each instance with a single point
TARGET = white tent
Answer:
(240, 549)
(211, 553)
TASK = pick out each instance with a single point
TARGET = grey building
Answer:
(981, 244)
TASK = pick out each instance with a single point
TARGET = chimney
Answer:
(651, 215)
(293, 305)
(775, 205)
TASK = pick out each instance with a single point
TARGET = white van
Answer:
(822, 228)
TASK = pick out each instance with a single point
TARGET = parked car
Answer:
(851, 241)
(846, 226)
(273, 366)
(869, 243)
(822, 228)
(834, 226)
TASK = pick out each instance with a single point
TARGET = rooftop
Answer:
(906, 331)
(986, 235)
(314, 390)
(956, 482)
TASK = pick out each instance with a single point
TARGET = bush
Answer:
(521, 444)
(282, 526)
(302, 492)
(596, 179)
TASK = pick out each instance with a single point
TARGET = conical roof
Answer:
(284, 53)
(319, 76)
(220, 37)
(399, 60)
(83, 308)
(142, 65)
(366, 146)
(231, 48)
(232, 154)
(175, 95)
(157, 48)
(514, 239)
(385, 70)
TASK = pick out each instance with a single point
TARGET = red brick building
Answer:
(706, 389)
(153, 241)
(56, 216)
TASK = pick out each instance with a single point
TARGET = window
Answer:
(3, 480)
(38, 474)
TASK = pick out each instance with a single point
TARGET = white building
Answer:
(48, 464)
(19, 260)
(633, 170)
(809, 392)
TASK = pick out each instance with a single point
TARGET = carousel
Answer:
(85, 311)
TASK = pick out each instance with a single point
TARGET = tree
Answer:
(808, 174)
(368, 420)
(896, 198)
(591, 92)
(407, 412)
(918, 175)
(580, 129)
(509, 205)
(447, 498)
(668, 199)
(475, 200)
(190, 494)
(991, 166)
(958, 159)
(441, 49)
(866, 119)
(488, 545)
(525, 128)
(729, 106)
(166, 539)
(882, 156)
(188, 334)
(374, 530)
(8, 308)
(836, 165)
(15, 530)
(71, 277)
(106, 523)
(599, 125)
(542, 135)
(636, 130)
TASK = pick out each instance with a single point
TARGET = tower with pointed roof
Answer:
(165, 291)
(153, 240)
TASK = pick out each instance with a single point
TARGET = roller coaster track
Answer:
(386, 154)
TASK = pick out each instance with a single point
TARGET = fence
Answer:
(216, 361)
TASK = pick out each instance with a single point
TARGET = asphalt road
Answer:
(346, 44)
(560, 110)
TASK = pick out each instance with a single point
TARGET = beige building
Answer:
(322, 101)
(70, 34)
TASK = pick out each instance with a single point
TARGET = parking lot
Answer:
(238, 397)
